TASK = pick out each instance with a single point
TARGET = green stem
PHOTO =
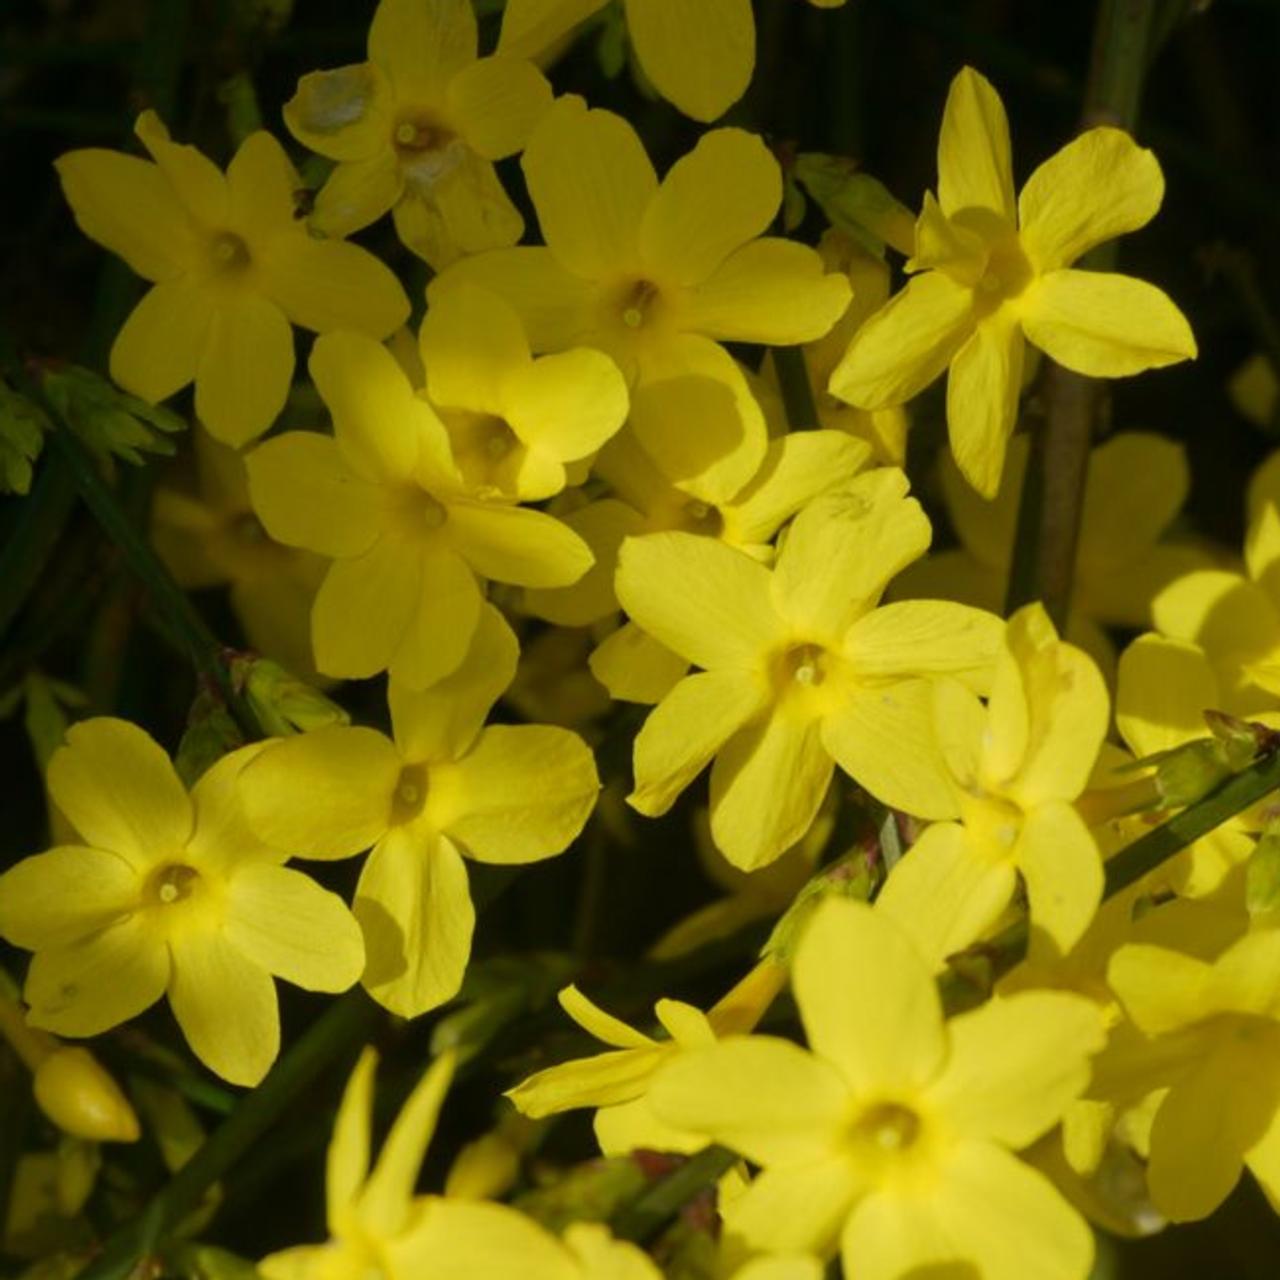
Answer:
(797, 391)
(41, 520)
(346, 1022)
(644, 1216)
(1053, 493)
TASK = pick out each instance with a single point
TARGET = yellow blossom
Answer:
(514, 422)
(169, 893)
(416, 129)
(409, 539)
(1135, 487)
(800, 669)
(657, 275)
(617, 1082)
(441, 787)
(892, 1138)
(993, 273)
(1015, 765)
(233, 270)
(211, 537)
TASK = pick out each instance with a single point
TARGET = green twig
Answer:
(643, 1217)
(797, 391)
(347, 1022)
(1053, 493)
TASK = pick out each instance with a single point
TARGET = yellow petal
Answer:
(882, 1037)
(441, 722)
(421, 47)
(982, 400)
(129, 206)
(799, 1207)
(602, 526)
(713, 200)
(356, 193)
(1161, 989)
(323, 794)
(89, 986)
(1105, 325)
(68, 892)
(604, 1026)
(223, 841)
(306, 495)
(767, 784)
(591, 182)
(386, 1198)
(883, 739)
(262, 187)
(708, 602)
(414, 908)
(634, 667)
(365, 609)
(946, 892)
(344, 114)
(442, 624)
(925, 638)
(687, 728)
(119, 791)
(531, 27)
(906, 344)
(245, 369)
(601, 1080)
(699, 57)
(1016, 1063)
(194, 178)
(283, 921)
(1099, 186)
(1164, 688)
(517, 545)
(225, 1005)
(975, 167)
(485, 1241)
(158, 348)
(771, 290)
(471, 342)
(1060, 863)
(765, 1098)
(522, 793)
(347, 1159)
(497, 102)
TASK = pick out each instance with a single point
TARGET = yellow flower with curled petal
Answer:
(795, 469)
(800, 669)
(1134, 490)
(376, 1223)
(409, 539)
(233, 268)
(416, 129)
(893, 1137)
(1015, 765)
(442, 786)
(657, 275)
(1213, 1027)
(514, 421)
(1234, 617)
(211, 537)
(617, 1082)
(168, 893)
(993, 274)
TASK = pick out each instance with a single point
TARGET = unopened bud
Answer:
(857, 203)
(284, 704)
(1262, 874)
(849, 877)
(1188, 773)
(74, 1090)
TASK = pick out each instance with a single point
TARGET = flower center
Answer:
(806, 665)
(229, 252)
(247, 530)
(173, 882)
(498, 439)
(701, 517)
(431, 513)
(418, 133)
(637, 302)
(888, 1127)
(410, 793)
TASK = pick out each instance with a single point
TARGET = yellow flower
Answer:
(233, 270)
(514, 421)
(994, 274)
(443, 786)
(893, 1137)
(211, 537)
(169, 892)
(1015, 765)
(699, 57)
(800, 669)
(617, 1083)
(795, 469)
(1233, 617)
(416, 129)
(1214, 1028)
(657, 275)
(408, 538)
(1136, 485)
(376, 1223)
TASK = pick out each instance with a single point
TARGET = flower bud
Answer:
(283, 703)
(1262, 874)
(80, 1097)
